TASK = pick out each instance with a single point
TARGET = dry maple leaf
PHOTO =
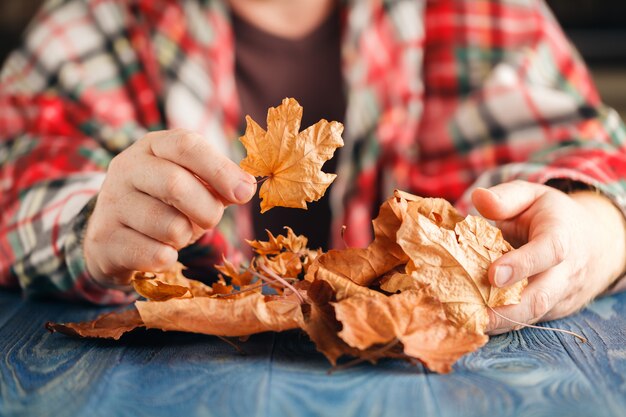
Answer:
(170, 284)
(110, 325)
(243, 316)
(235, 274)
(272, 246)
(290, 160)
(415, 320)
(321, 325)
(453, 265)
(364, 265)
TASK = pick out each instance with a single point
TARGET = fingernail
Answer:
(245, 189)
(493, 193)
(504, 274)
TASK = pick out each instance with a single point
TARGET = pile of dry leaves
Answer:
(418, 292)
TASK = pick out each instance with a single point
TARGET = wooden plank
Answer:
(149, 373)
(153, 373)
(530, 372)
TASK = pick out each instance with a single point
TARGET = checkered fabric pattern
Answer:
(442, 96)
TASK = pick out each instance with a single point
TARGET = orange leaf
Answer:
(321, 324)
(396, 281)
(238, 278)
(243, 316)
(363, 266)
(285, 264)
(453, 265)
(291, 160)
(156, 290)
(168, 284)
(419, 322)
(108, 326)
(272, 246)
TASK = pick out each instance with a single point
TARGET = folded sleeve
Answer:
(541, 112)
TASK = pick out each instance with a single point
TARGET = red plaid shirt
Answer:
(442, 95)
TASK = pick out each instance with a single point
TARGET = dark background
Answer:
(596, 27)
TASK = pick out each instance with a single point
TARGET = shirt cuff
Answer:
(85, 286)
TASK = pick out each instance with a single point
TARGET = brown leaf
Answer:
(321, 324)
(292, 242)
(285, 264)
(419, 322)
(107, 326)
(291, 160)
(220, 287)
(172, 278)
(363, 266)
(439, 210)
(237, 277)
(272, 246)
(396, 281)
(243, 316)
(337, 275)
(453, 265)
(155, 290)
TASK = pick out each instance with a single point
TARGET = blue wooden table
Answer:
(151, 373)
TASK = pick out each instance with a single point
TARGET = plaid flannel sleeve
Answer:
(67, 106)
(541, 109)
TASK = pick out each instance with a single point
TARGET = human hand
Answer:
(571, 247)
(159, 195)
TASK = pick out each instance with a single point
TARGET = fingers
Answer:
(157, 220)
(129, 250)
(506, 200)
(522, 211)
(178, 188)
(542, 252)
(538, 299)
(196, 154)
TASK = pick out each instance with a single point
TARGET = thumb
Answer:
(506, 200)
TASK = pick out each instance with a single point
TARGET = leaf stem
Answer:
(232, 344)
(375, 354)
(263, 179)
(251, 288)
(576, 335)
(280, 279)
(343, 233)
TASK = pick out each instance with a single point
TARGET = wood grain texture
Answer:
(151, 373)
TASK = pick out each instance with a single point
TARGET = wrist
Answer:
(611, 233)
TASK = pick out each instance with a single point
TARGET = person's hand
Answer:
(159, 195)
(571, 247)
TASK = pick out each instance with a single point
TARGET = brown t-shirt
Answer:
(269, 68)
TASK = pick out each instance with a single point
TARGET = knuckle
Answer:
(519, 182)
(185, 141)
(135, 256)
(107, 269)
(540, 304)
(526, 264)
(214, 216)
(221, 168)
(117, 163)
(176, 187)
(179, 232)
(164, 256)
(559, 247)
(152, 135)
